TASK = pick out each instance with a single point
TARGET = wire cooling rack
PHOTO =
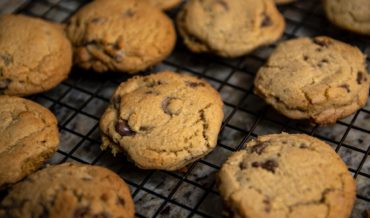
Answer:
(80, 101)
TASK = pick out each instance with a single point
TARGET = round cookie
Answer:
(353, 15)
(163, 121)
(120, 35)
(35, 55)
(165, 4)
(229, 28)
(320, 79)
(28, 136)
(69, 190)
(287, 175)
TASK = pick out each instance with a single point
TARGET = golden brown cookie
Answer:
(287, 175)
(353, 15)
(35, 55)
(28, 136)
(163, 121)
(229, 28)
(120, 35)
(319, 79)
(69, 190)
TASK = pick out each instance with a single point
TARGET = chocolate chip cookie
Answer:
(320, 79)
(69, 190)
(353, 15)
(163, 121)
(165, 4)
(120, 35)
(287, 175)
(35, 55)
(229, 28)
(28, 136)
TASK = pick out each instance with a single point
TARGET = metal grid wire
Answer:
(80, 101)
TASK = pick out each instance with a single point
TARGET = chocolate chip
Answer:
(45, 212)
(305, 57)
(192, 84)
(123, 128)
(120, 201)
(269, 165)
(104, 197)
(7, 58)
(303, 146)
(259, 147)
(4, 83)
(242, 165)
(81, 212)
(360, 77)
(129, 13)
(346, 87)
(321, 42)
(266, 21)
(322, 62)
(144, 128)
(152, 92)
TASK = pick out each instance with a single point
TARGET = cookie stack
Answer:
(168, 120)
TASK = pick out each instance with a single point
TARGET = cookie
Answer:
(287, 175)
(69, 190)
(35, 55)
(320, 79)
(163, 121)
(165, 4)
(28, 136)
(229, 28)
(120, 35)
(353, 15)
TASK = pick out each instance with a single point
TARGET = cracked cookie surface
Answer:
(287, 175)
(229, 28)
(69, 190)
(165, 4)
(28, 136)
(163, 121)
(353, 15)
(120, 35)
(319, 79)
(35, 55)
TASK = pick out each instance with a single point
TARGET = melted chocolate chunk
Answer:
(346, 87)
(360, 77)
(259, 147)
(242, 165)
(81, 212)
(194, 84)
(321, 42)
(120, 201)
(129, 13)
(123, 128)
(269, 165)
(266, 21)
